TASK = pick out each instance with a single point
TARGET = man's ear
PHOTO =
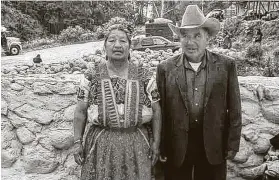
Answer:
(207, 37)
(206, 34)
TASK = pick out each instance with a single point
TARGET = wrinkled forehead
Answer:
(193, 31)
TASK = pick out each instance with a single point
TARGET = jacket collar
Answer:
(209, 57)
(211, 71)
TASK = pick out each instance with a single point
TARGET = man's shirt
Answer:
(195, 81)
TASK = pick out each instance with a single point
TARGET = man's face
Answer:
(194, 42)
(117, 45)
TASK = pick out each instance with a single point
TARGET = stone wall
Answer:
(260, 119)
(37, 126)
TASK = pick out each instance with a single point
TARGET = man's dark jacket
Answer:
(222, 109)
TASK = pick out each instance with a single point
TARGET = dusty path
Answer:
(51, 55)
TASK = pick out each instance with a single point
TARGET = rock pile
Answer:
(63, 67)
(260, 112)
(148, 58)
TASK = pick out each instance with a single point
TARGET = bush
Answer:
(237, 46)
(271, 67)
(276, 53)
(254, 51)
(68, 35)
(117, 20)
(268, 66)
(102, 31)
(73, 34)
(88, 36)
(248, 68)
(232, 24)
(20, 25)
(39, 42)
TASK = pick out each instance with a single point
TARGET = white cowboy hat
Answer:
(194, 18)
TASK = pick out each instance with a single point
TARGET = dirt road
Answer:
(51, 55)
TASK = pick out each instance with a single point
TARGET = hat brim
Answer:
(211, 24)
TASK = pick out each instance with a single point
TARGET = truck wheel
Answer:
(14, 50)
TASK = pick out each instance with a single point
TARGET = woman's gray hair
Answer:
(119, 27)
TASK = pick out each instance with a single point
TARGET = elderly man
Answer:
(201, 106)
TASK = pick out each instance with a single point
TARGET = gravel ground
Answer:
(52, 55)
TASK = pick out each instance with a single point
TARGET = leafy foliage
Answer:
(54, 16)
(254, 51)
(231, 25)
(75, 34)
(40, 42)
(32, 19)
(20, 25)
(102, 31)
(67, 36)
(271, 67)
(276, 53)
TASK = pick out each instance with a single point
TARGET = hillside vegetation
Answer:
(20, 25)
(30, 19)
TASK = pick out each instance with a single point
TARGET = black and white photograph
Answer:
(140, 90)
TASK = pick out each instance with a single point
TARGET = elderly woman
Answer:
(117, 99)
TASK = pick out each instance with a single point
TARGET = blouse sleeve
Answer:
(152, 90)
(84, 87)
(83, 90)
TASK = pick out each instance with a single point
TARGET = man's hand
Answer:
(154, 153)
(163, 159)
(78, 155)
(231, 155)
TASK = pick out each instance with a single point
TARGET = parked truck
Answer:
(10, 45)
(159, 27)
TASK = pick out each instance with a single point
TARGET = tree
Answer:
(54, 16)
(140, 7)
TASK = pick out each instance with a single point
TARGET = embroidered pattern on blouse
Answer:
(132, 103)
(132, 93)
(94, 84)
(119, 86)
(98, 93)
(141, 95)
(109, 104)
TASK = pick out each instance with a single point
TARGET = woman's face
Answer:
(117, 45)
